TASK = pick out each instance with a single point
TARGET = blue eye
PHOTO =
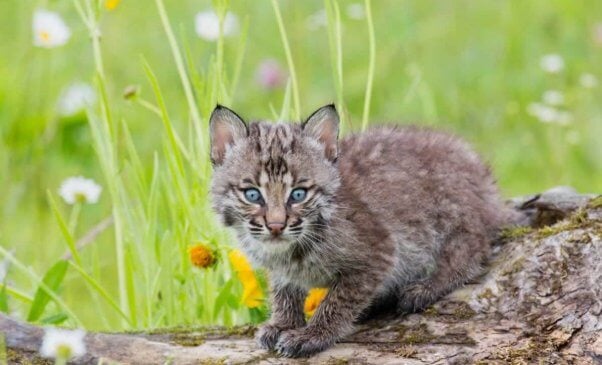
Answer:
(298, 194)
(253, 195)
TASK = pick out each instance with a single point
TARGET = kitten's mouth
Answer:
(276, 240)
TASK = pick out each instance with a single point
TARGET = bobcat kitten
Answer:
(392, 216)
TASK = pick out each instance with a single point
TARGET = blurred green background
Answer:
(470, 67)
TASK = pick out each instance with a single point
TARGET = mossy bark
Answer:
(540, 302)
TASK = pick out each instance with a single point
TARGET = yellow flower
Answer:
(111, 4)
(201, 256)
(252, 295)
(313, 300)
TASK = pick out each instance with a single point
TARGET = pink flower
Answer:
(270, 74)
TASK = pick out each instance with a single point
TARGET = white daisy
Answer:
(553, 97)
(549, 114)
(552, 63)
(80, 190)
(544, 113)
(63, 344)
(207, 25)
(317, 20)
(49, 29)
(76, 98)
(356, 11)
(588, 81)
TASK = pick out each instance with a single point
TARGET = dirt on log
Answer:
(539, 302)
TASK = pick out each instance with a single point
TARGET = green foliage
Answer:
(52, 280)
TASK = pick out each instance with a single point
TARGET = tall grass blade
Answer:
(335, 40)
(52, 280)
(371, 65)
(64, 229)
(289, 60)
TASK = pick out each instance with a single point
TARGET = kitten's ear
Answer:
(226, 128)
(323, 125)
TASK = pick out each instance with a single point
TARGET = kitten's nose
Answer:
(276, 228)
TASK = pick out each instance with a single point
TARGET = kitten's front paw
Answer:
(302, 343)
(267, 336)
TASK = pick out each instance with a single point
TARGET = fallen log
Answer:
(539, 302)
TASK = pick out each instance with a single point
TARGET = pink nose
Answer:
(276, 228)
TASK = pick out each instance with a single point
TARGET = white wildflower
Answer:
(80, 190)
(76, 98)
(49, 29)
(63, 344)
(356, 11)
(552, 63)
(317, 20)
(588, 81)
(207, 25)
(553, 97)
(549, 114)
(544, 113)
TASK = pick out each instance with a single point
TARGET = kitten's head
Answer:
(274, 183)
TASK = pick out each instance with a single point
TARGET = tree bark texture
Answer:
(539, 302)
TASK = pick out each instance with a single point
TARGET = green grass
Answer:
(468, 67)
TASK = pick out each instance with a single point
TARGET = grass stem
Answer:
(371, 65)
(289, 60)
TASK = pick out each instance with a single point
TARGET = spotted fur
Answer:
(393, 218)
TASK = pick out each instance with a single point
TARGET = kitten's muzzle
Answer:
(276, 228)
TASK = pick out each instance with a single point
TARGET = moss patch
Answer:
(337, 361)
(420, 335)
(515, 267)
(246, 331)
(407, 351)
(188, 339)
(212, 361)
(486, 294)
(576, 221)
(25, 358)
(512, 233)
(595, 203)
(463, 311)
(535, 349)
(415, 335)
(430, 312)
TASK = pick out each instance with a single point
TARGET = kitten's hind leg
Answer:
(381, 307)
(460, 259)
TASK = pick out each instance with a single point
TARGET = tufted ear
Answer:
(323, 125)
(225, 128)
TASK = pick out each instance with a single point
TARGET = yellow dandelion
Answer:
(252, 295)
(313, 300)
(201, 256)
(111, 4)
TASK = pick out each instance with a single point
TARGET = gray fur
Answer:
(395, 216)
